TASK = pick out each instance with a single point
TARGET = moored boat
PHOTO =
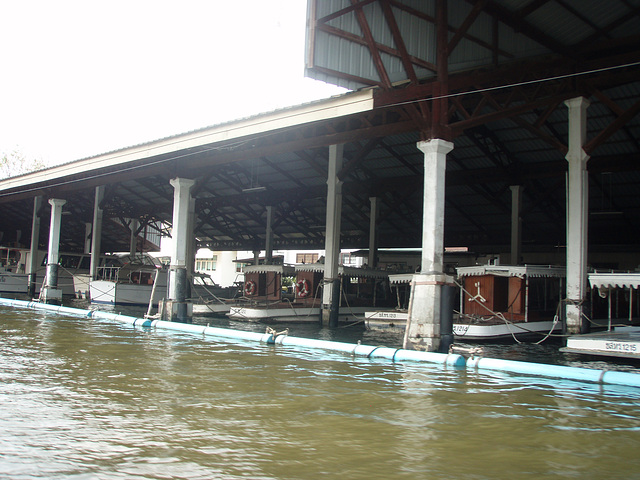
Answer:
(361, 290)
(138, 279)
(497, 302)
(141, 280)
(14, 275)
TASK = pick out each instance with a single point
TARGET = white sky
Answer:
(80, 78)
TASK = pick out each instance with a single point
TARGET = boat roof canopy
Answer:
(520, 271)
(344, 271)
(614, 280)
(283, 269)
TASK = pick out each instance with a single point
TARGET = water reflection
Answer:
(84, 398)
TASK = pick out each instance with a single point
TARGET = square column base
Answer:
(173, 311)
(574, 318)
(423, 322)
(51, 295)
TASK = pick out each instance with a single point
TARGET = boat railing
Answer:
(108, 273)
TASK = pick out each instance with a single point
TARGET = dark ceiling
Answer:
(506, 118)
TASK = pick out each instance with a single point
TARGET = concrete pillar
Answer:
(177, 307)
(516, 224)
(51, 293)
(577, 215)
(96, 235)
(32, 267)
(268, 247)
(373, 232)
(423, 322)
(331, 290)
(133, 241)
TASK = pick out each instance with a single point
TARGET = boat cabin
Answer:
(517, 293)
(358, 287)
(264, 282)
(308, 284)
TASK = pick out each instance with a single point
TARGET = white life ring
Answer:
(302, 288)
(250, 288)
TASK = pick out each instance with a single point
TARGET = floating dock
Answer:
(622, 342)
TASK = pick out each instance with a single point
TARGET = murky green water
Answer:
(87, 399)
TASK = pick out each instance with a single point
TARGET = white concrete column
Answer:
(51, 292)
(32, 266)
(435, 164)
(516, 224)
(331, 290)
(577, 214)
(373, 232)
(96, 234)
(423, 323)
(181, 234)
(268, 247)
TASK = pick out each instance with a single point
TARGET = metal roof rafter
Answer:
(519, 24)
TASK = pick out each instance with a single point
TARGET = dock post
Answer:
(423, 320)
(35, 240)
(373, 232)
(516, 224)
(331, 291)
(577, 216)
(51, 293)
(177, 307)
(446, 317)
(96, 232)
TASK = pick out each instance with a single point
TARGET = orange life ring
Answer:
(250, 288)
(302, 288)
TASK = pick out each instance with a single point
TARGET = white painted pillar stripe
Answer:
(435, 163)
(96, 231)
(54, 230)
(334, 214)
(180, 230)
(423, 319)
(577, 212)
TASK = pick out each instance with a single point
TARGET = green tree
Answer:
(16, 163)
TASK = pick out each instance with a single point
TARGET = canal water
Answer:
(89, 399)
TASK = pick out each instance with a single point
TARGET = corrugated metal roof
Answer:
(290, 161)
(565, 23)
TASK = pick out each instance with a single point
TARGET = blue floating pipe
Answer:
(555, 371)
(357, 350)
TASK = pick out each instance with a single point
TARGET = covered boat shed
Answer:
(507, 126)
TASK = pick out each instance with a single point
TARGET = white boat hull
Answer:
(278, 314)
(13, 282)
(112, 293)
(382, 320)
(291, 314)
(18, 283)
(211, 308)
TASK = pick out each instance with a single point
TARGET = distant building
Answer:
(221, 266)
